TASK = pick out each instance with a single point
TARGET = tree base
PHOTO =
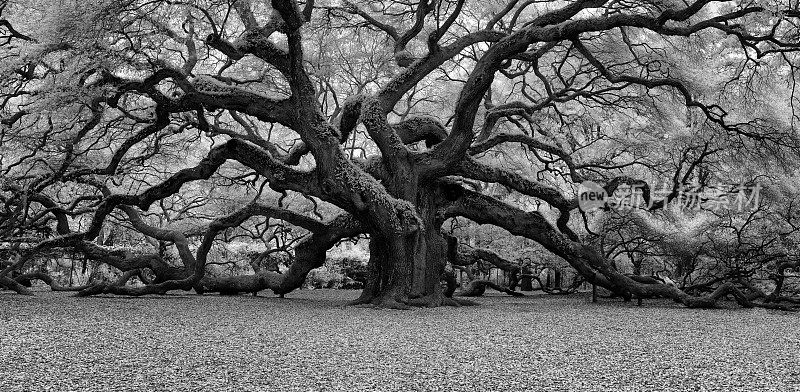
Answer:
(476, 288)
(428, 301)
(379, 302)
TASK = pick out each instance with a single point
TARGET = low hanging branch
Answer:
(462, 256)
(48, 280)
(587, 261)
(477, 288)
(177, 278)
(310, 253)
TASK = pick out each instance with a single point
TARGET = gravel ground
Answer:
(310, 342)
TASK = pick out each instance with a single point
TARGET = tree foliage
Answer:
(185, 121)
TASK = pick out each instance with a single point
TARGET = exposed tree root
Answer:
(477, 288)
(428, 301)
(362, 300)
(433, 300)
(452, 284)
(387, 302)
(465, 302)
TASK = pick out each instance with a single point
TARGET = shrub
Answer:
(353, 268)
(323, 278)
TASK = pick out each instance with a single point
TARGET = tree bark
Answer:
(477, 288)
(414, 278)
(12, 284)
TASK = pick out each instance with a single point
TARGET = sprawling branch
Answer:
(554, 27)
(531, 143)
(553, 196)
(586, 260)
(310, 253)
(278, 175)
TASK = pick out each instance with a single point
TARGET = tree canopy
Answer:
(187, 123)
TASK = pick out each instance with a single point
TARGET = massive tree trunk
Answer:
(406, 269)
(430, 256)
